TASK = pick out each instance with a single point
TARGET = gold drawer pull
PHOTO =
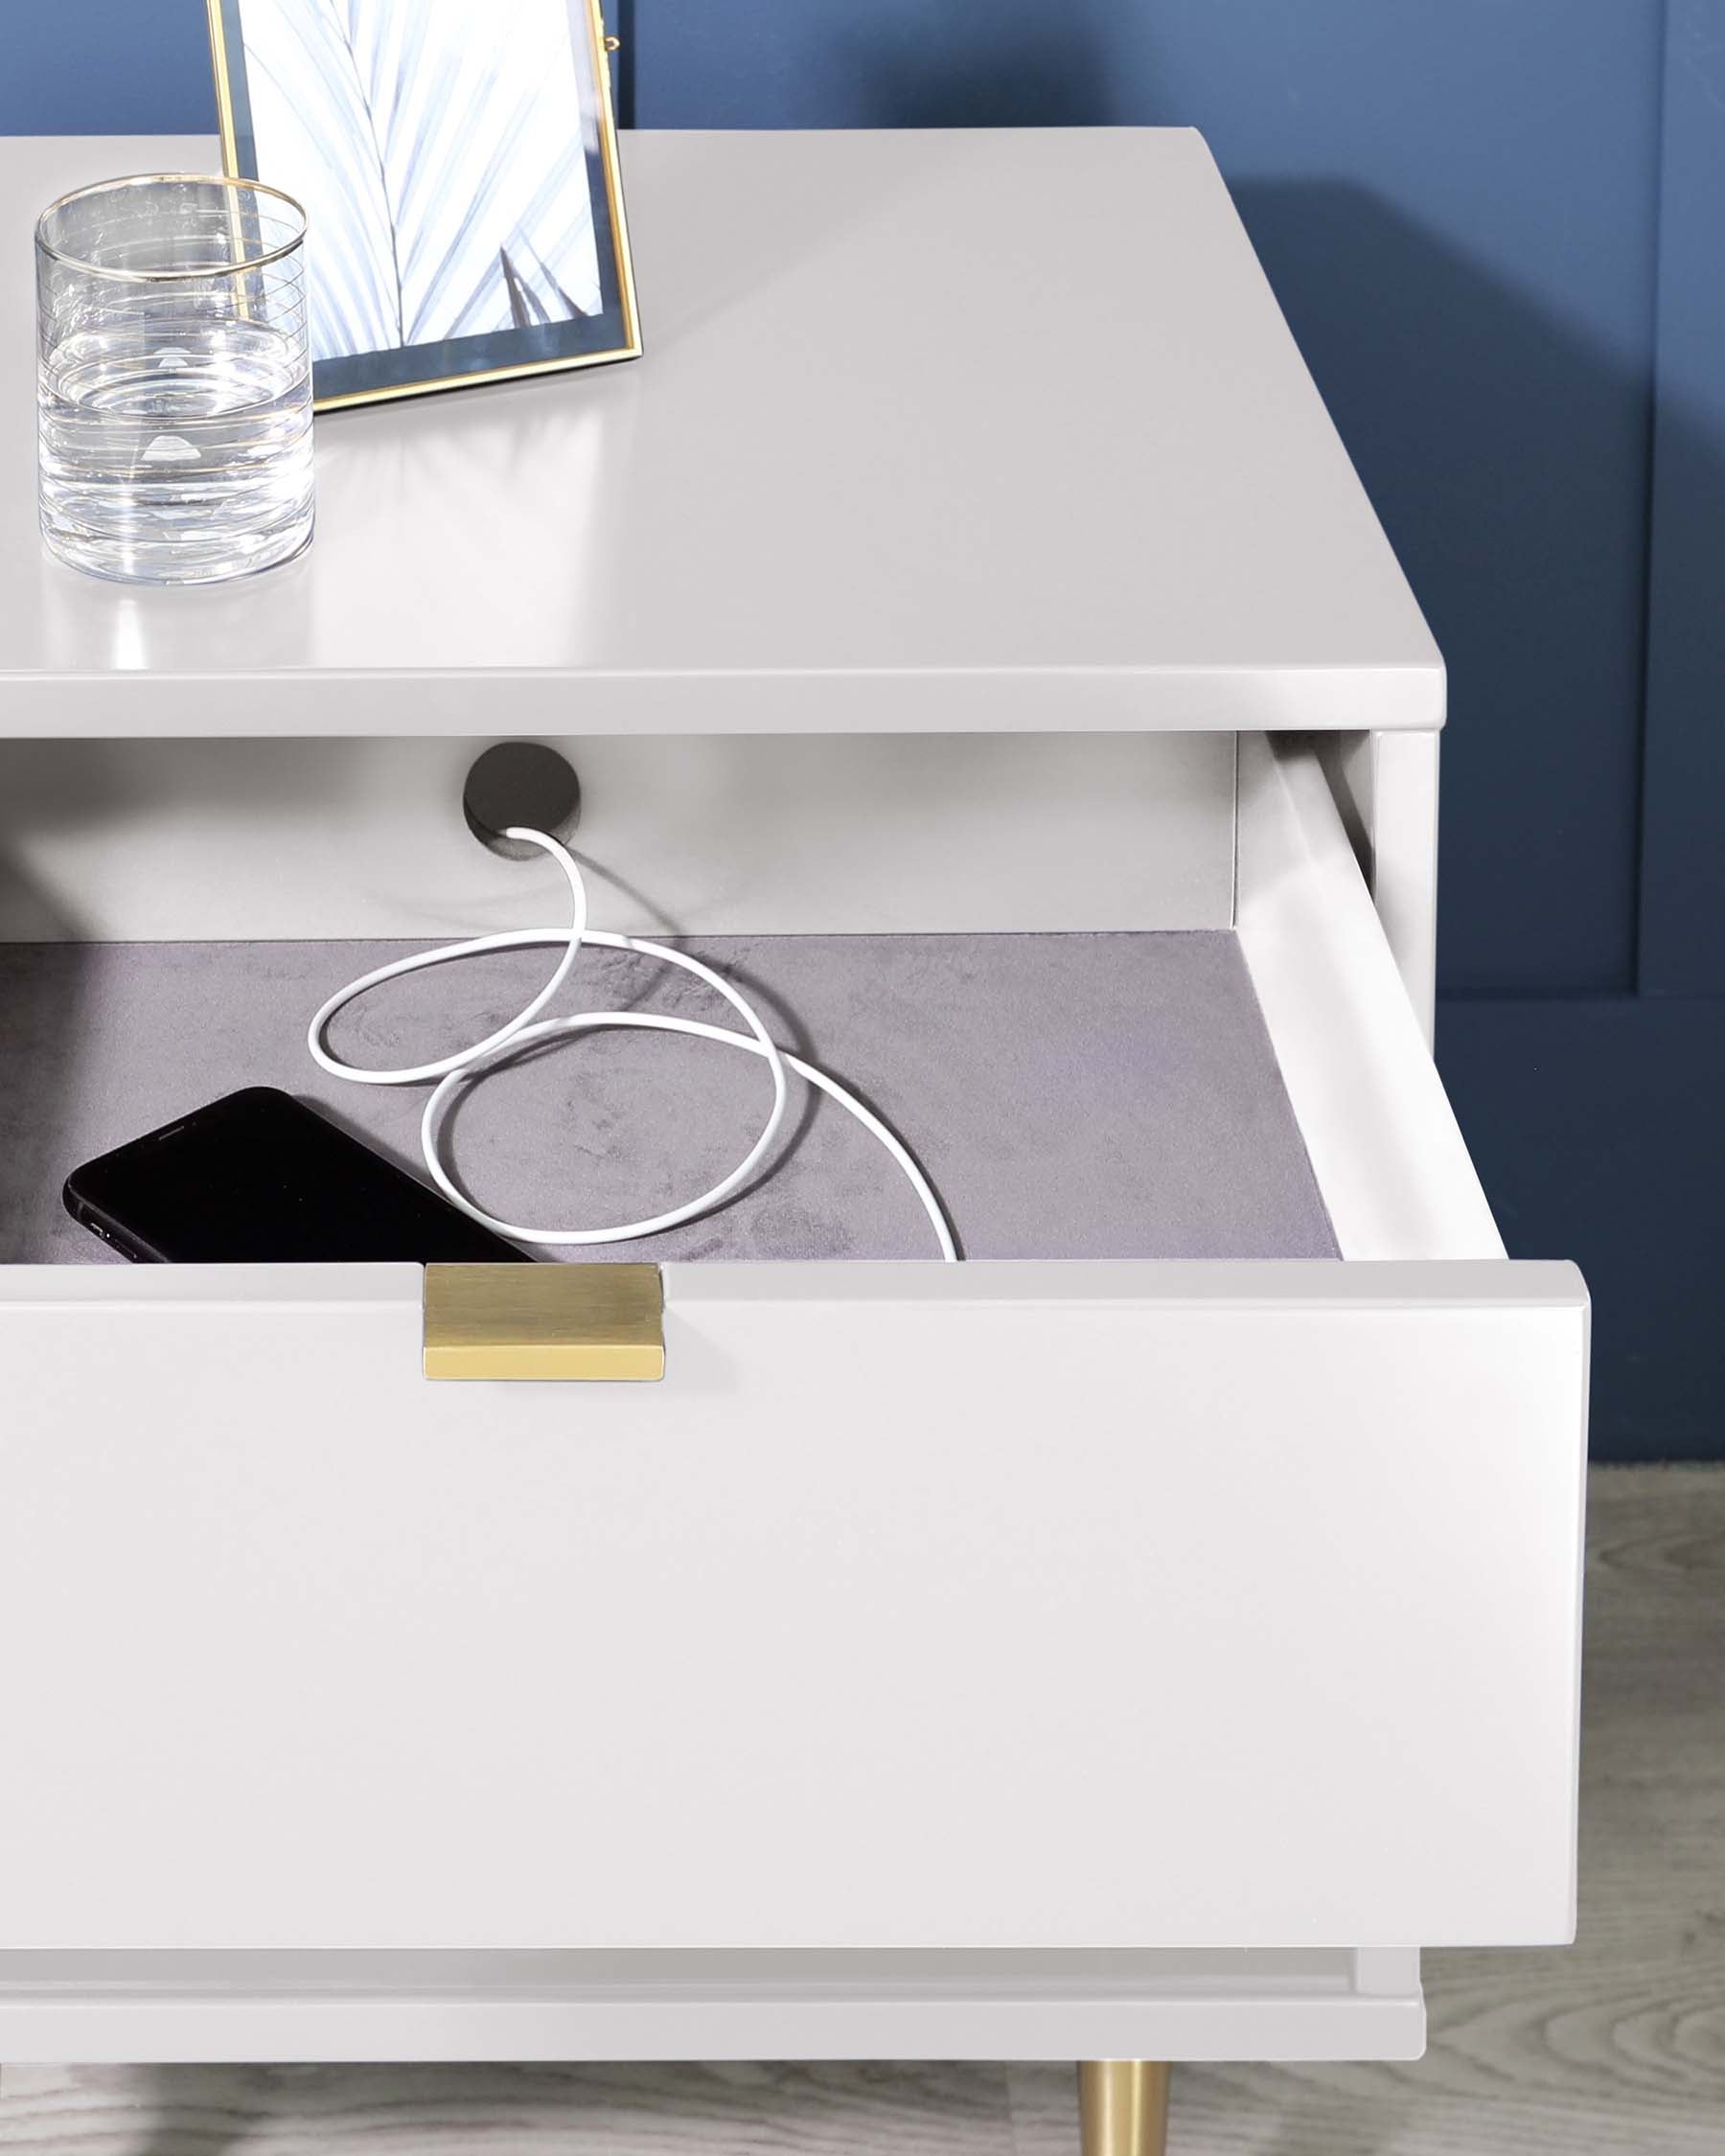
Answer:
(544, 1321)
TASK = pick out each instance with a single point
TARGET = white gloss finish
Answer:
(1378, 1127)
(786, 835)
(1403, 876)
(1320, 2004)
(927, 1625)
(1386, 788)
(996, 1606)
(935, 431)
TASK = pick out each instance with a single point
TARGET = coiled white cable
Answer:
(465, 1065)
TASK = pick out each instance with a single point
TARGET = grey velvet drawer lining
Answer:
(1070, 1096)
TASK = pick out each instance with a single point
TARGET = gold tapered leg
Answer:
(1123, 2106)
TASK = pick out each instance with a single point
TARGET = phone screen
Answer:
(258, 1179)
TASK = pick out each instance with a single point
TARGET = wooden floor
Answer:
(1618, 2044)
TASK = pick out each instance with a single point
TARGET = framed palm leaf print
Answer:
(457, 163)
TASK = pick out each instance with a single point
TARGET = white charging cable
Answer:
(465, 1065)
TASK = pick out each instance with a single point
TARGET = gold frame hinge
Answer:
(559, 1321)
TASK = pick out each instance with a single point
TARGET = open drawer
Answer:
(1225, 1600)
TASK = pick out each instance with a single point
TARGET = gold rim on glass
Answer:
(188, 275)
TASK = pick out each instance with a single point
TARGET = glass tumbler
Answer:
(173, 379)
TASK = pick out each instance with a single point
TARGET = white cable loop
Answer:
(465, 1065)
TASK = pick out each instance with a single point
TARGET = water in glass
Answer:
(174, 382)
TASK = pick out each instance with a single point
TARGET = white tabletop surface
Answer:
(934, 431)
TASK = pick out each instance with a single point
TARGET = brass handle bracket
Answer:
(557, 1321)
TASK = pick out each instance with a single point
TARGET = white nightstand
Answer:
(1056, 1656)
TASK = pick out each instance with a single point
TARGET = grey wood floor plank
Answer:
(728, 2110)
(1617, 2044)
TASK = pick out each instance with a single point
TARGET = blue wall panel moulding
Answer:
(1595, 1124)
(1682, 878)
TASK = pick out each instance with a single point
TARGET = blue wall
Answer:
(1485, 219)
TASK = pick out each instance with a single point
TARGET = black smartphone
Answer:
(258, 1177)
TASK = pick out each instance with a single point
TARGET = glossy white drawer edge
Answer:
(670, 2006)
(1386, 785)
(1378, 1127)
(1024, 1605)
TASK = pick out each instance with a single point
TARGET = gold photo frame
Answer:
(457, 160)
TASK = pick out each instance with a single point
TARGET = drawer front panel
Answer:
(1005, 1605)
